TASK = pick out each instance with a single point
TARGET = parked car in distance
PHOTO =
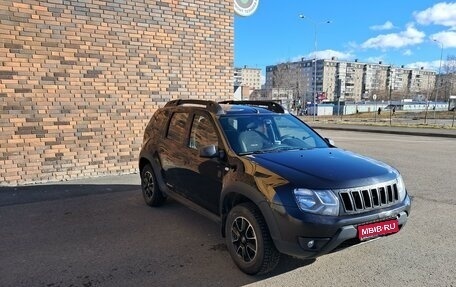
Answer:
(273, 183)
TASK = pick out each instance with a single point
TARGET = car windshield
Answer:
(268, 133)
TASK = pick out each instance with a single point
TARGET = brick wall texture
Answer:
(79, 79)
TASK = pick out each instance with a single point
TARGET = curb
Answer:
(390, 130)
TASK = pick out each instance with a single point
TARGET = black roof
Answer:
(232, 107)
(244, 109)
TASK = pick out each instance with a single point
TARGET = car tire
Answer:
(248, 240)
(150, 190)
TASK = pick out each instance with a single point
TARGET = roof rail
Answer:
(270, 105)
(209, 105)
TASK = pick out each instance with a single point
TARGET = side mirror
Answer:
(330, 141)
(209, 151)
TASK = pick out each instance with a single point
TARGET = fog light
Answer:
(313, 244)
(310, 244)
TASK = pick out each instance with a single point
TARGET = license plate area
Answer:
(376, 229)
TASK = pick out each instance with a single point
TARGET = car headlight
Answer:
(317, 201)
(401, 188)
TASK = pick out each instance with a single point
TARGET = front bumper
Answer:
(307, 235)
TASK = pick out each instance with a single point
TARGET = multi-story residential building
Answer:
(249, 77)
(397, 80)
(348, 77)
(295, 76)
(421, 80)
(348, 80)
(375, 79)
(237, 77)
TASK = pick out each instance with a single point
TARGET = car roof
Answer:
(231, 107)
(244, 109)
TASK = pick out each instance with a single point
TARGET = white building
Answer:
(329, 80)
(248, 77)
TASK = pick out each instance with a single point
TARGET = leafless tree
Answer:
(446, 81)
(449, 67)
(286, 76)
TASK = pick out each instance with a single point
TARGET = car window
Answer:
(294, 133)
(202, 133)
(155, 126)
(288, 127)
(269, 133)
(176, 128)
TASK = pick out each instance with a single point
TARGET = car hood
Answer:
(321, 168)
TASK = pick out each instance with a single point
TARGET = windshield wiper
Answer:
(258, 151)
(277, 149)
(273, 149)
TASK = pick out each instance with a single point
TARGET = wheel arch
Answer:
(238, 193)
(154, 161)
(143, 161)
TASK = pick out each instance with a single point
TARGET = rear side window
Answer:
(155, 126)
(176, 128)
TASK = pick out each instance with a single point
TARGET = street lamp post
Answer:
(315, 24)
(390, 98)
(374, 97)
(439, 77)
(428, 97)
(390, 92)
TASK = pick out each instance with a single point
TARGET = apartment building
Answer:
(249, 77)
(375, 78)
(331, 79)
(295, 76)
(421, 80)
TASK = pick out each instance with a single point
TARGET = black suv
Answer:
(274, 184)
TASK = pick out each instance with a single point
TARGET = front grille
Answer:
(356, 200)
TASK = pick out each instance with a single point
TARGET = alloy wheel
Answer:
(148, 184)
(244, 239)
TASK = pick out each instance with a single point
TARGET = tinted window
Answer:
(176, 129)
(155, 126)
(203, 132)
(289, 126)
(268, 133)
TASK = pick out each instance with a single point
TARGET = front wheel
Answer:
(248, 240)
(150, 190)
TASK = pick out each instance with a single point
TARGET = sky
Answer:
(413, 33)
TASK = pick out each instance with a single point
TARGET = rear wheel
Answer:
(150, 190)
(248, 240)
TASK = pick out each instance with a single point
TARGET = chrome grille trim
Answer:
(366, 198)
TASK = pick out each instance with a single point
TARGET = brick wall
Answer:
(79, 79)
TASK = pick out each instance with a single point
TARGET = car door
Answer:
(202, 179)
(171, 151)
